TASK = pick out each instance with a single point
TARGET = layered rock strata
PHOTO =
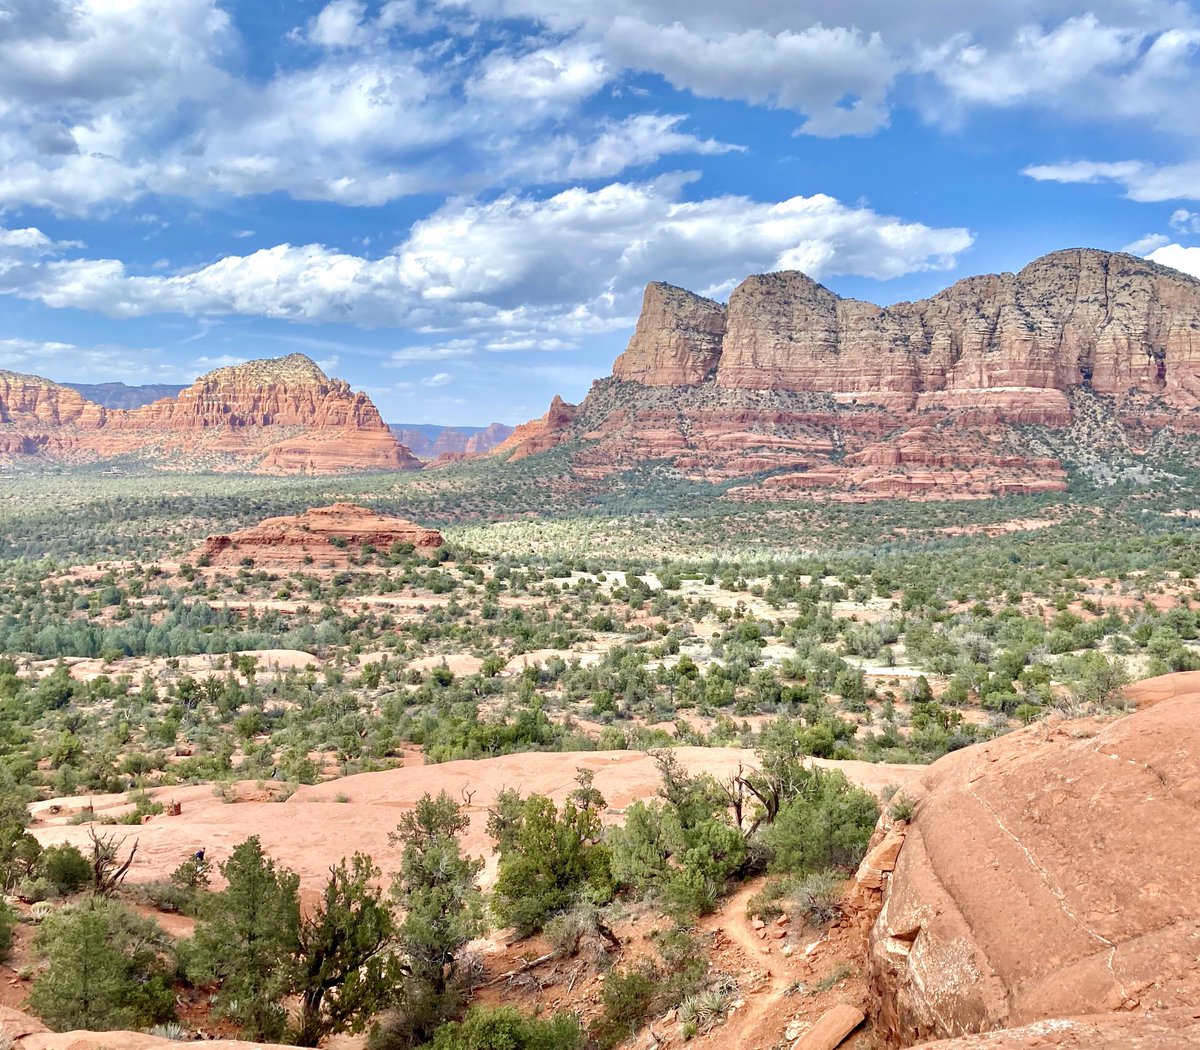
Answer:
(322, 536)
(1045, 876)
(808, 395)
(282, 416)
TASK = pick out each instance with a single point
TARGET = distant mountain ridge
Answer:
(429, 441)
(124, 396)
(274, 416)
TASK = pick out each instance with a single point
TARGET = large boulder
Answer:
(1048, 874)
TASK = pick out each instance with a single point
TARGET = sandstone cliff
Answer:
(540, 435)
(1047, 874)
(677, 341)
(281, 416)
(1117, 322)
(962, 395)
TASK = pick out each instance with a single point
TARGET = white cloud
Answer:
(339, 25)
(1184, 221)
(1180, 258)
(513, 264)
(438, 379)
(102, 102)
(546, 79)
(68, 362)
(1034, 64)
(837, 77)
(452, 349)
(617, 146)
(1145, 245)
(89, 88)
(1142, 180)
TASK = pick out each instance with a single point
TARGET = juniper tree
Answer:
(345, 968)
(443, 912)
(248, 940)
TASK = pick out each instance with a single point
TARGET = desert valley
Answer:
(646, 525)
(826, 677)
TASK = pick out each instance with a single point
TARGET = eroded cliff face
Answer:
(324, 536)
(281, 416)
(1047, 875)
(1119, 323)
(677, 341)
(540, 435)
(31, 399)
(808, 395)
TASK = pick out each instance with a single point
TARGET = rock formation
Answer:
(27, 1033)
(540, 435)
(832, 398)
(677, 341)
(282, 416)
(322, 536)
(1047, 875)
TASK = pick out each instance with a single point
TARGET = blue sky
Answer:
(456, 204)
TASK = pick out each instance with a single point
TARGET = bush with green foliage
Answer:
(505, 1028)
(105, 969)
(443, 912)
(248, 940)
(827, 823)
(345, 970)
(628, 1001)
(65, 868)
(8, 925)
(548, 859)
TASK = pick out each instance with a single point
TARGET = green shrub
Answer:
(505, 1028)
(548, 860)
(828, 825)
(8, 924)
(105, 970)
(65, 868)
(627, 1001)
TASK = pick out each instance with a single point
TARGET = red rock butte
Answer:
(278, 416)
(321, 536)
(967, 394)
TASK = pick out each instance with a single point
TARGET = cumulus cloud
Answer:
(1184, 221)
(1145, 245)
(545, 79)
(837, 77)
(1141, 180)
(89, 89)
(338, 25)
(1034, 63)
(101, 103)
(1180, 258)
(515, 263)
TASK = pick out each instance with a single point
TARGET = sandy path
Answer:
(760, 1022)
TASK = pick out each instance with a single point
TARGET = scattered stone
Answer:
(831, 1028)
